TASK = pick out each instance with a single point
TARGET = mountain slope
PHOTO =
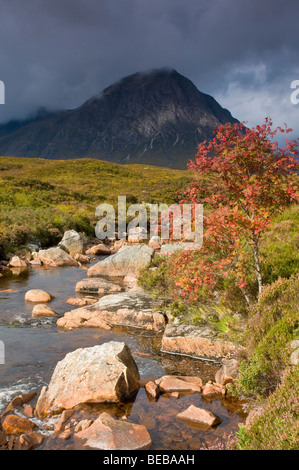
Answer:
(155, 118)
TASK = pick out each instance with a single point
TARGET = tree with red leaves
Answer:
(243, 178)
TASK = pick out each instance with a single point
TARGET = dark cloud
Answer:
(59, 53)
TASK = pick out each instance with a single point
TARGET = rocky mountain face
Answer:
(156, 118)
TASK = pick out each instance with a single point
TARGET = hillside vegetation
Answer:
(40, 199)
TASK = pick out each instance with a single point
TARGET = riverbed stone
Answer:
(41, 310)
(100, 374)
(73, 243)
(132, 309)
(107, 433)
(173, 383)
(13, 424)
(195, 341)
(197, 415)
(97, 286)
(129, 259)
(37, 295)
(29, 441)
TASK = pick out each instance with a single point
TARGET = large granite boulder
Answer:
(100, 374)
(129, 259)
(73, 243)
(132, 309)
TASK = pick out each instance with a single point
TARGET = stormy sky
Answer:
(58, 53)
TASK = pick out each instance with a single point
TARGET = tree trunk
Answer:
(258, 266)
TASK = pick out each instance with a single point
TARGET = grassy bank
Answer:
(265, 329)
(40, 199)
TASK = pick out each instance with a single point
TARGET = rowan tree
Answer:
(242, 177)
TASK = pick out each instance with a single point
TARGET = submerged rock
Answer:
(106, 433)
(172, 383)
(128, 259)
(132, 308)
(42, 310)
(212, 391)
(56, 257)
(101, 374)
(196, 415)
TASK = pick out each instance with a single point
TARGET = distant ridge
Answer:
(158, 118)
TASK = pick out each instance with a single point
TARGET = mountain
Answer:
(156, 118)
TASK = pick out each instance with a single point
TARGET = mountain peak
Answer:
(154, 117)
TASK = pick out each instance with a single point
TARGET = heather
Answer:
(277, 428)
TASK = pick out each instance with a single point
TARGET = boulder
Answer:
(73, 243)
(196, 415)
(56, 257)
(13, 424)
(100, 374)
(228, 372)
(17, 262)
(37, 295)
(172, 383)
(29, 441)
(129, 259)
(195, 341)
(97, 286)
(107, 433)
(132, 309)
(99, 250)
(41, 310)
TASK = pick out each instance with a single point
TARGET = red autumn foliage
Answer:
(243, 178)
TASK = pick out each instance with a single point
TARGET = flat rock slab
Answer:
(132, 309)
(97, 286)
(172, 383)
(101, 374)
(106, 433)
(196, 342)
(129, 259)
(200, 416)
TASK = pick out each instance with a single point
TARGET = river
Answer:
(33, 346)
